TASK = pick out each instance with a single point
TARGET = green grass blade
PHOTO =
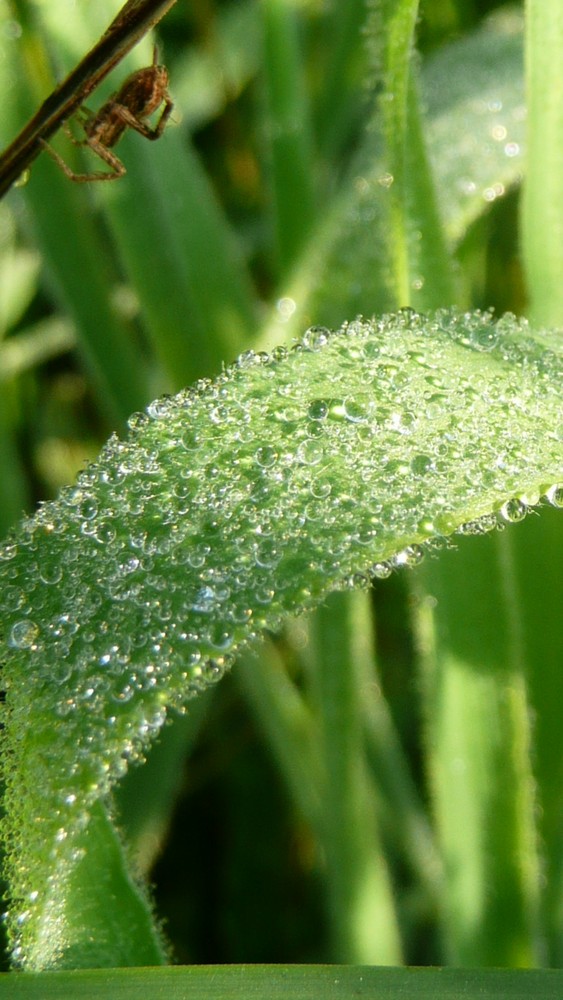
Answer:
(14, 497)
(288, 726)
(145, 798)
(538, 552)
(230, 507)
(363, 922)
(207, 78)
(76, 262)
(473, 96)
(430, 270)
(481, 770)
(343, 59)
(181, 258)
(405, 825)
(283, 982)
(288, 130)
(391, 35)
(542, 219)
(97, 915)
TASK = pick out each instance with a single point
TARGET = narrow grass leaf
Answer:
(283, 982)
(479, 758)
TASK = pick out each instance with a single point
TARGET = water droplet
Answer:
(410, 556)
(24, 634)
(513, 510)
(554, 495)
(310, 452)
(286, 307)
(381, 570)
(315, 337)
(355, 411)
(318, 410)
(266, 456)
(50, 573)
(422, 464)
(385, 180)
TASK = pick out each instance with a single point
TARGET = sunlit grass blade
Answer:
(473, 123)
(480, 756)
(361, 909)
(542, 219)
(538, 554)
(390, 32)
(145, 594)
(100, 917)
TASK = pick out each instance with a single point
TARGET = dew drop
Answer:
(23, 634)
(51, 573)
(410, 556)
(315, 337)
(381, 570)
(513, 510)
(554, 495)
(266, 456)
(318, 410)
(385, 180)
(421, 464)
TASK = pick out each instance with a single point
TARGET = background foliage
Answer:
(287, 195)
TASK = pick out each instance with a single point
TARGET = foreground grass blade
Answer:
(227, 508)
(282, 982)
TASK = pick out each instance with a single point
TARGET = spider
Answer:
(137, 98)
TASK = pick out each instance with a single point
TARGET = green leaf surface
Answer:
(259, 982)
(228, 507)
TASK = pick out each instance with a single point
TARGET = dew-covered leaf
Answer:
(476, 115)
(228, 507)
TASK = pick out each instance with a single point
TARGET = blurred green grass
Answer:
(263, 210)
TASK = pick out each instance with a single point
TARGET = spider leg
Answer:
(84, 116)
(117, 167)
(141, 127)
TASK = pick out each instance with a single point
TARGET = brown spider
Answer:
(137, 98)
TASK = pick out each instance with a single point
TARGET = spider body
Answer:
(139, 96)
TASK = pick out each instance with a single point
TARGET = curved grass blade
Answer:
(228, 507)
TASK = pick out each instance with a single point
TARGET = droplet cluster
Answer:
(231, 505)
